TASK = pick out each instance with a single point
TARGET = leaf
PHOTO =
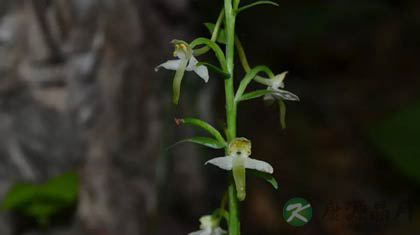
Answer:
(254, 95)
(256, 4)
(63, 187)
(397, 137)
(41, 212)
(204, 125)
(19, 194)
(282, 107)
(266, 176)
(41, 201)
(218, 52)
(214, 69)
(208, 142)
(221, 38)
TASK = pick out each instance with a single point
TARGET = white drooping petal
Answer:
(201, 232)
(286, 95)
(224, 163)
(218, 231)
(192, 64)
(201, 70)
(258, 165)
(170, 65)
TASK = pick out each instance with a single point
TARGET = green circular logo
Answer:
(297, 212)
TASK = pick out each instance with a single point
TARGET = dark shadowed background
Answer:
(79, 99)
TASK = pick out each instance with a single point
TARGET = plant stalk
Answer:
(230, 17)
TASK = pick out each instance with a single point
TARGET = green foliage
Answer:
(209, 142)
(205, 141)
(398, 138)
(221, 37)
(248, 78)
(265, 176)
(218, 52)
(256, 4)
(41, 201)
(254, 95)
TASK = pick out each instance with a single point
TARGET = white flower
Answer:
(275, 84)
(186, 61)
(209, 226)
(238, 160)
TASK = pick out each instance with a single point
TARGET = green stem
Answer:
(233, 224)
(245, 64)
(241, 54)
(251, 74)
(214, 36)
(230, 53)
(216, 49)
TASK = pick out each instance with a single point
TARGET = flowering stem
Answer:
(230, 52)
(230, 15)
(233, 223)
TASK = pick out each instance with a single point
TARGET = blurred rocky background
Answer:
(78, 94)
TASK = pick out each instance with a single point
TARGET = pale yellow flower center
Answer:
(240, 147)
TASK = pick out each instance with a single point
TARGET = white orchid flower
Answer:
(186, 61)
(238, 160)
(274, 85)
(209, 226)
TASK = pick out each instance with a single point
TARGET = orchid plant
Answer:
(237, 149)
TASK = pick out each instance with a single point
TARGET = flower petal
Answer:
(201, 70)
(286, 95)
(170, 65)
(224, 163)
(258, 165)
(200, 232)
(218, 231)
(192, 64)
(278, 80)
